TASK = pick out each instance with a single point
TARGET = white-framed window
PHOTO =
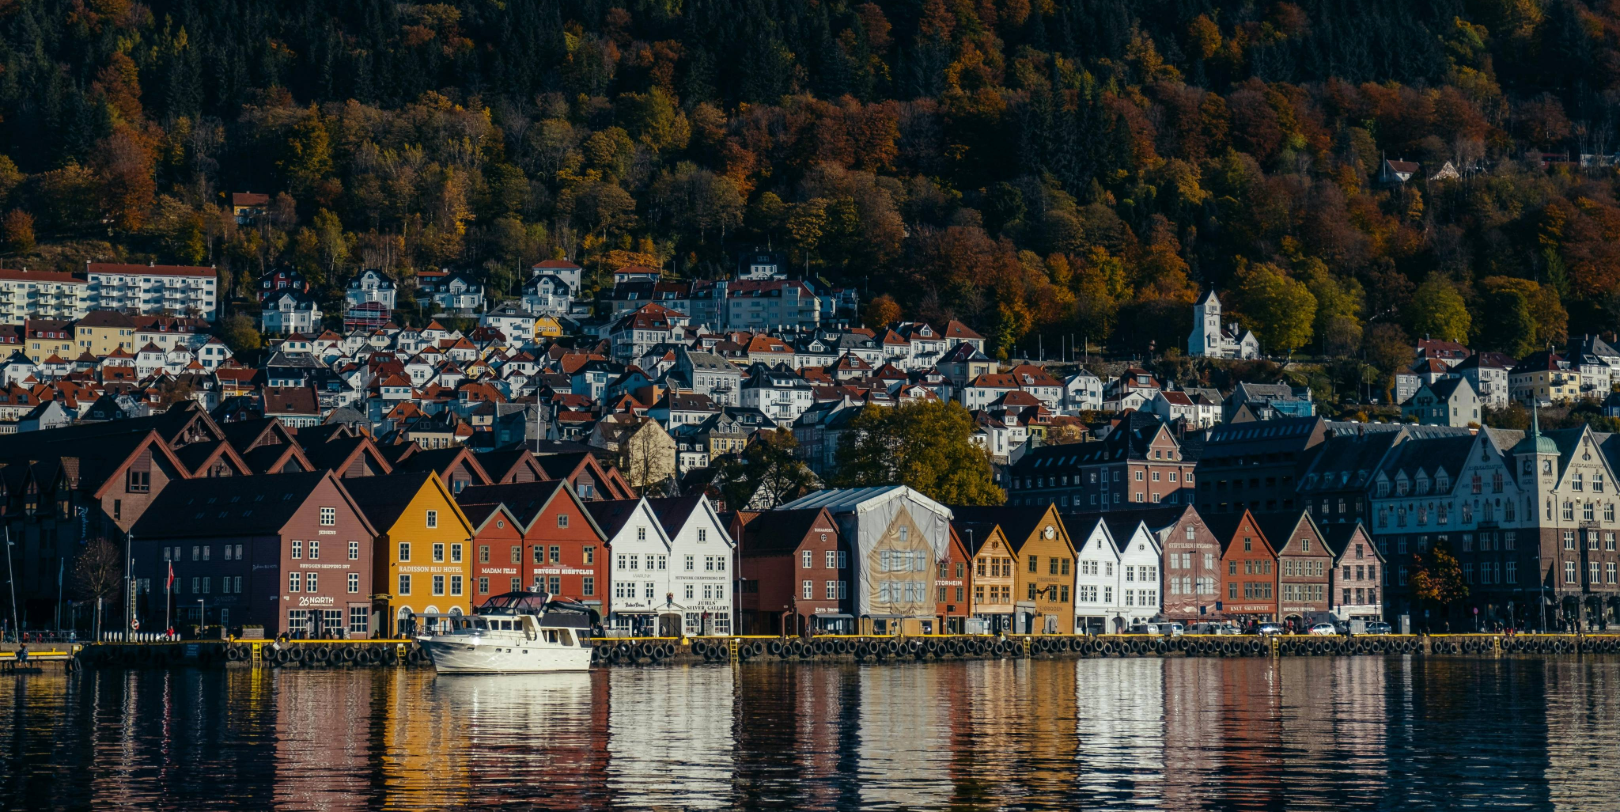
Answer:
(805, 559)
(354, 551)
(404, 584)
(312, 582)
(433, 518)
(438, 552)
(328, 516)
(297, 549)
(438, 584)
(808, 589)
(294, 582)
(314, 549)
(354, 583)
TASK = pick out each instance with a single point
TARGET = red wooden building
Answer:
(1249, 569)
(563, 547)
(795, 574)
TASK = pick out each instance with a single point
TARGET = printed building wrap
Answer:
(897, 537)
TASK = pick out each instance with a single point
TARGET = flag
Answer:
(168, 586)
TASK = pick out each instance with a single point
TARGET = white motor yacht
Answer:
(514, 633)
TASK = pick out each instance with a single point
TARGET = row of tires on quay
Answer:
(867, 649)
(1535, 644)
(306, 655)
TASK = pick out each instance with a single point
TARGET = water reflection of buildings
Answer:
(418, 757)
(1119, 721)
(528, 734)
(1582, 699)
(1192, 734)
(1333, 722)
(321, 742)
(903, 753)
(670, 737)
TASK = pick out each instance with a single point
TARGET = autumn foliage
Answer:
(1037, 170)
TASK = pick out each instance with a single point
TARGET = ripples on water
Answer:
(1336, 733)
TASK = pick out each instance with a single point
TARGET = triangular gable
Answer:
(159, 448)
(1248, 522)
(1099, 539)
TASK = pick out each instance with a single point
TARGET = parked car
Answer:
(1324, 629)
(1268, 628)
(1163, 629)
(1379, 627)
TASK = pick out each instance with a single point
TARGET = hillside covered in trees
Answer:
(1032, 167)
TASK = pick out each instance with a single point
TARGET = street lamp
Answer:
(11, 580)
(202, 617)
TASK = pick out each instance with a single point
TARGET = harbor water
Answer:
(1395, 732)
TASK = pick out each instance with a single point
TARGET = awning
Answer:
(831, 617)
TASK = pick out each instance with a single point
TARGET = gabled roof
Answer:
(780, 532)
(1018, 524)
(1224, 527)
(384, 498)
(222, 506)
(1281, 528)
(611, 515)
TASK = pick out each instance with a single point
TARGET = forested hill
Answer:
(1055, 166)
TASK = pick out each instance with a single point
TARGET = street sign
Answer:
(134, 625)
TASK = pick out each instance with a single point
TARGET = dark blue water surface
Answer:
(1326, 733)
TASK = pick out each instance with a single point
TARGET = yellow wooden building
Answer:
(422, 571)
(1043, 571)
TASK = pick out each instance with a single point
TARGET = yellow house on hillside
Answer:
(423, 553)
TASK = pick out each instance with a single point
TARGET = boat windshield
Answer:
(514, 603)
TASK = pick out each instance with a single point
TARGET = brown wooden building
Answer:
(1304, 568)
(292, 554)
(795, 574)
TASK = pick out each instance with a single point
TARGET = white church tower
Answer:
(1210, 340)
(1206, 335)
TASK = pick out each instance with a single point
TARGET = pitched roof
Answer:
(611, 515)
(223, 506)
(384, 498)
(779, 532)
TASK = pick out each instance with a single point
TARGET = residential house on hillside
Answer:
(1447, 402)
(1267, 400)
(290, 311)
(1487, 373)
(1544, 378)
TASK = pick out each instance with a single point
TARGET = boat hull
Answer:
(462, 657)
